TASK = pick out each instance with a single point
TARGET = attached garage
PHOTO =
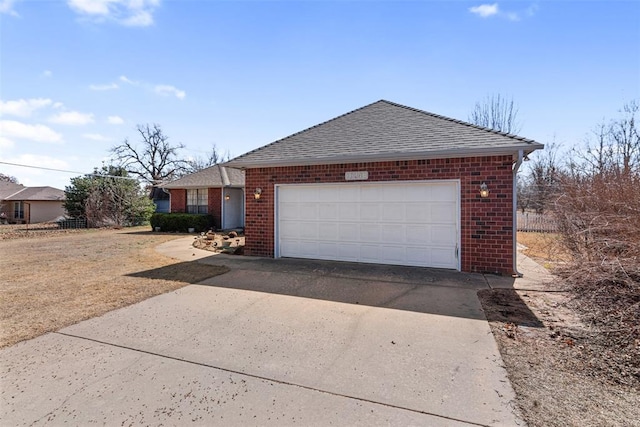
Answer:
(387, 184)
(413, 223)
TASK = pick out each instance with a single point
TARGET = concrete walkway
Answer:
(272, 342)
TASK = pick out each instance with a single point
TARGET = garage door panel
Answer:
(308, 211)
(309, 230)
(419, 234)
(290, 230)
(308, 249)
(418, 212)
(394, 212)
(349, 211)
(348, 252)
(443, 235)
(442, 212)
(394, 254)
(369, 253)
(441, 257)
(348, 193)
(349, 232)
(370, 232)
(370, 212)
(328, 231)
(289, 211)
(328, 211)
(390, 223)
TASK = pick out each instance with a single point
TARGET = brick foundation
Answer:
(486, 224)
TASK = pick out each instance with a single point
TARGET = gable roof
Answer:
(213, 176)
(384, 131)
(38, 194)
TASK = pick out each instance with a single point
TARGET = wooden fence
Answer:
(530, 221)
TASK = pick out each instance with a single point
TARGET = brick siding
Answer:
(214, 203)
(214, 200)
(178, 201)
(486, 224)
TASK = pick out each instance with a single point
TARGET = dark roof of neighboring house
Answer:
(38, 194)
(213, 176)
(9, 188)
(384, 131)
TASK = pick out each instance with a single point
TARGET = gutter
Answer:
(240, 163)
(516, 167)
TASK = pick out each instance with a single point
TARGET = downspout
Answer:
(515, 168)
(225, 183)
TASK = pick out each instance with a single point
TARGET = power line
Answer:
(66, 171)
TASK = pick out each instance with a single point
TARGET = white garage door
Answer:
(384, 223)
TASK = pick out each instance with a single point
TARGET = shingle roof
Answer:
(38, 194)
(384, 131)
(213, 176)
(9, 188)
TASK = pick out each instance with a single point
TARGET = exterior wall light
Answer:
(257, 193)
(227, 197)
(484, 191)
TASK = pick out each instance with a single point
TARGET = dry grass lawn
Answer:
(549, 356)
(50, 279)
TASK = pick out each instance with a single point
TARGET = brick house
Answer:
(387, 184)
(216, 190)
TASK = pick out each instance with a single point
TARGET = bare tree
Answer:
(497, 113)
(626, 138)
(155, 161)
(213, 158)
(8, 178)
(611, 148)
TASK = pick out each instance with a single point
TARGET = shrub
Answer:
(181, 222)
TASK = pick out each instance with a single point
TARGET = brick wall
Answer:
(214, 203)
(486, 224)
(178, 201)
(214, 200)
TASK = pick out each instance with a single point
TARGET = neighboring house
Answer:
(387, 184)
(161, 199)
(216, 190)
(30, 205)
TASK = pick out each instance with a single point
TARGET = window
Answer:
(18, 210)
(197, 201)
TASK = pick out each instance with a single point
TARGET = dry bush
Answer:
(599, 220)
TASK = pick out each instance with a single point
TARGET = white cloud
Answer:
(5, 142)
(6, 6)
(488, 10)
(127, 80)
(23, 107)
(96, 137)
(133, 13)
(512, 16)
(167, 90)
(115, 120)
(72, 118)
(485, 10)
(47, 73)
(19, 130)
(108, 86)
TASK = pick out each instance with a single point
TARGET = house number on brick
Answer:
(356, 176)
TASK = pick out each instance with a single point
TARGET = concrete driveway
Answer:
(272, 342)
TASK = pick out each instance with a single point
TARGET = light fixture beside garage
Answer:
(227, 197)
(484, 190)
(257, 193)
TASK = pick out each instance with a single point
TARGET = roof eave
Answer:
(422, 155)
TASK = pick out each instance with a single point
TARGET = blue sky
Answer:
(77, 76)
